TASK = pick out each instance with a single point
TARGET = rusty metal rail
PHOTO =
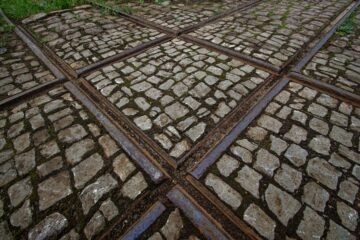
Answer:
(160, 167)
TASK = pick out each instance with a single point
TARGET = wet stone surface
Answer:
(272, 31)
(85, 36)
(60, 171)
(20, 70)
(177, 14)
(292, 172)
(338, 62)
(177, 92)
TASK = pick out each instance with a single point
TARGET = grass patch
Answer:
(349, 25)
(112, 8)
(5, 32)
(19, 9)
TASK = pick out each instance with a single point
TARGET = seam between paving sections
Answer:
(281, 77)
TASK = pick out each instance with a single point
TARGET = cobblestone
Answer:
(178, 14)
(293, 173)
(337, 63)
(303, 180)
(272, 31)
(67, 169)
(85, 36)
(188, 104)
(173, 224)
(20, 70)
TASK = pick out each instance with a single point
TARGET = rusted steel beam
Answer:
(133, 151)
(229, 52)
(330, 30)
(208, 226)
(241, 7)
(210, 156)
(123, 55)
(248, 231)
(127, 126)
(135, 19)
(30, 93)
(34, 48)
(203, 148)
(148, 218)
(216, 152)
(326, 88)
(75, 74)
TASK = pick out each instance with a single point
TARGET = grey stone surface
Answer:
(311, 226)
(249, 179)
(20, 191)
(282, 204)
(349, 217)
(95, 225)
(322, 171)
(49, 227)
(315, 196)
(87, 169)
(224, 191)
(266, 162)
(260, 221)
(173, 226)
(135, 186)
(91, 194)
(54, 189)
(227, 165)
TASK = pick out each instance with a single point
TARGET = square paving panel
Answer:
(295, 170)
(20, 70)
(176, 217)
(177, 15)
(338, 62)
(273, 31)
(61, 171)
(85, 36)
(178, 92)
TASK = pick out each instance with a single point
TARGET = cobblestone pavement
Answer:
(272, 31)
(87, 35)
(177, 92)
(84, 158)
(338, 63)
(19, 68)
(178, 14)
(295, 170)
(61, 171)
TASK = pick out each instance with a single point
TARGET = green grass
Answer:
(349, 25)
(5, 31)
(19, 9)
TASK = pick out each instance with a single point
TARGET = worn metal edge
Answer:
(30, 93)
(241, 7)
(134, 19)
(208, 226)
(128, 126)
(329, 33)
(50, 56)
(7, 20)
(216, 152)
(245, 228)
(144, 222)
(231, 53)
(325, 88)
(153, 171)
(31, 44)
(224, 127)
(127, 53)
